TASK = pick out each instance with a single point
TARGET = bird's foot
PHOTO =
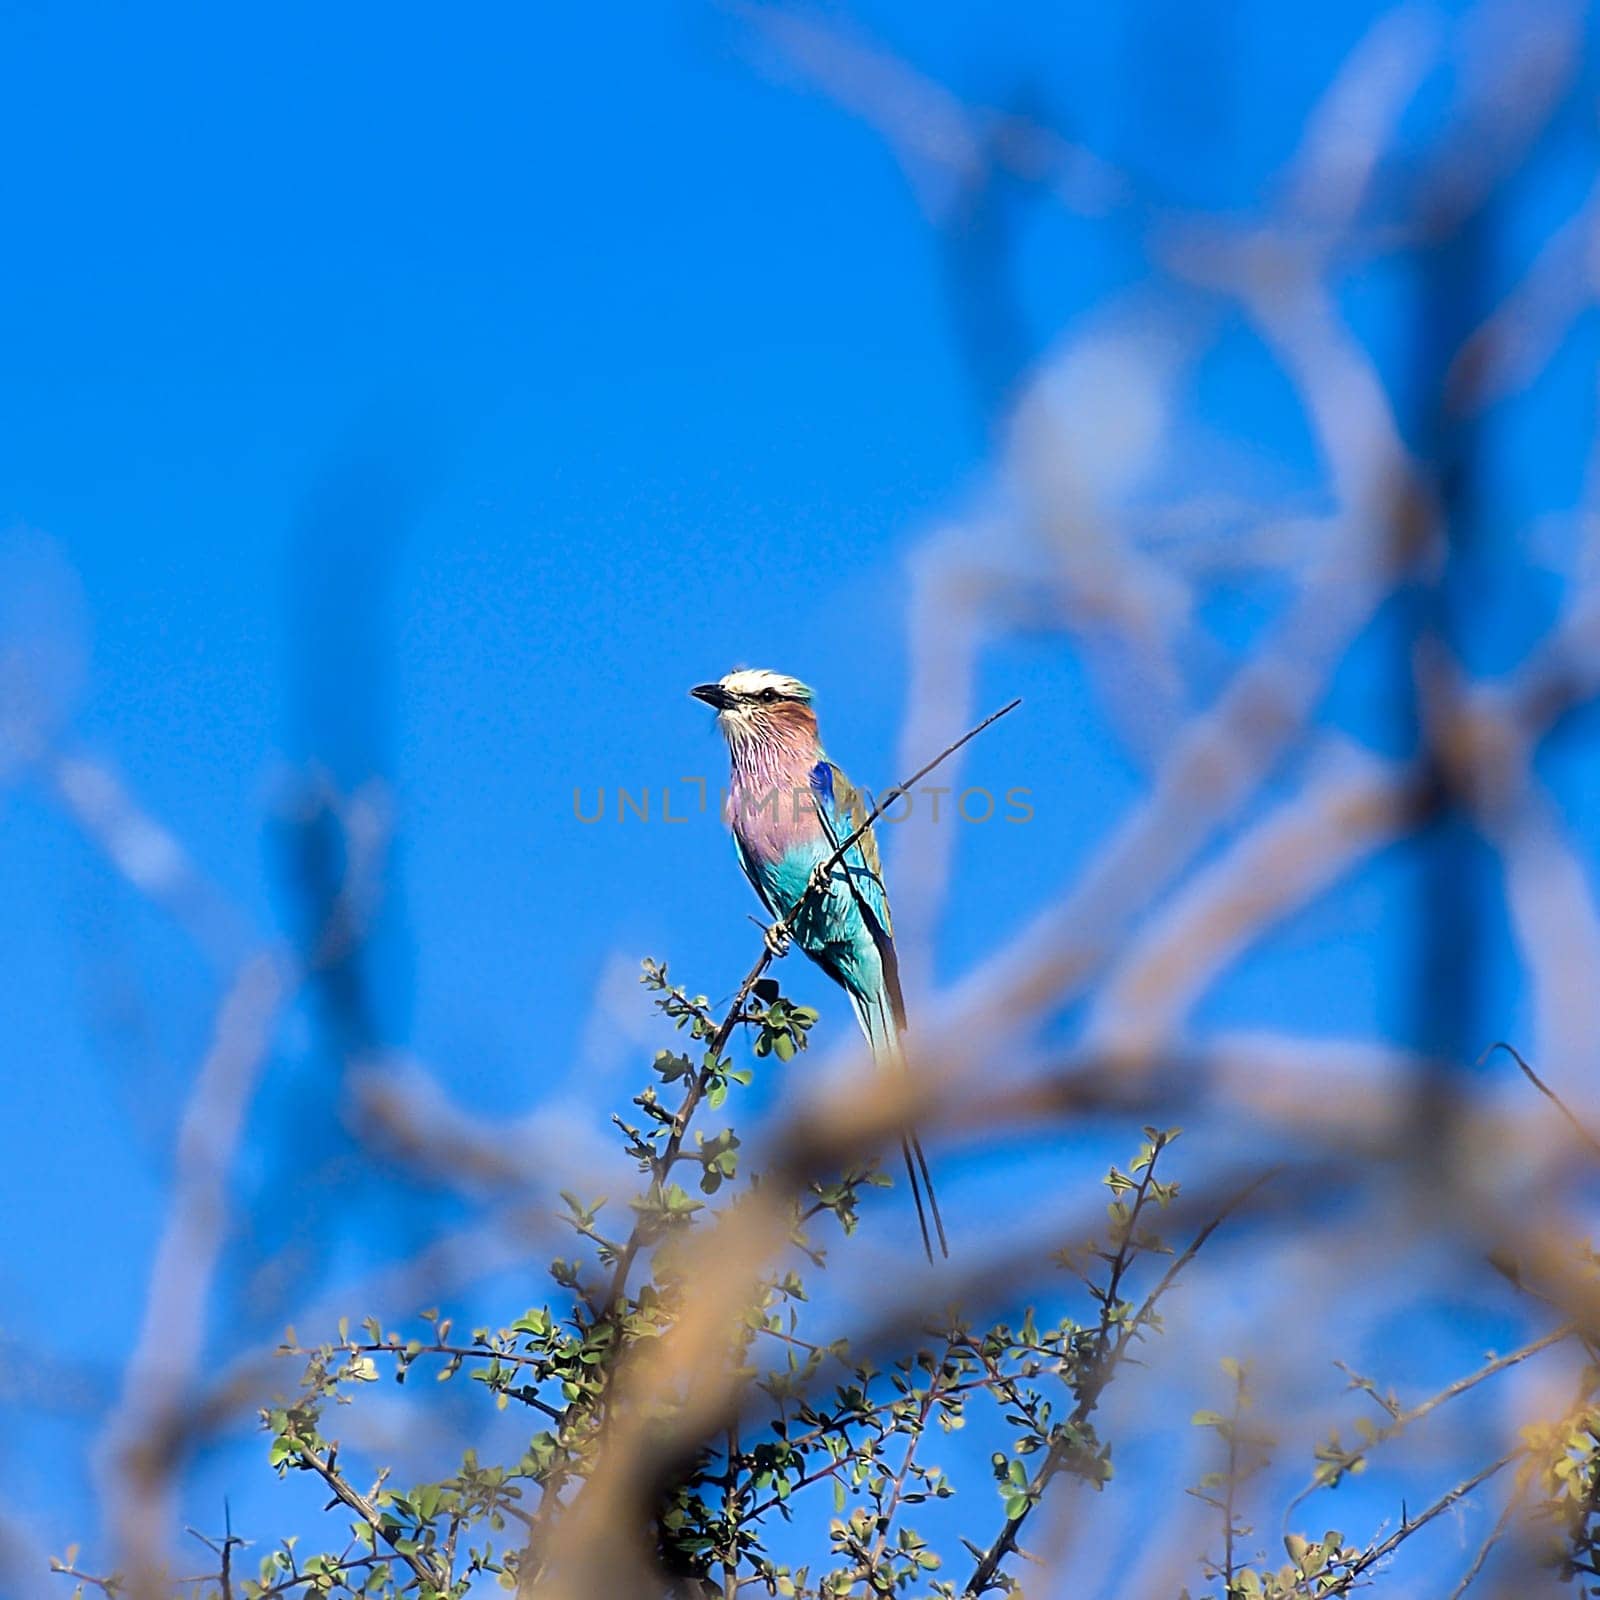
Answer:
(777, 938)
(821, 877)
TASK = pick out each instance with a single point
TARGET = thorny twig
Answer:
(1112, 1338)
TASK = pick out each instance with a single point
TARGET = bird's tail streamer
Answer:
(878, 1025)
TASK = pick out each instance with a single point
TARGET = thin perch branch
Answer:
(1544, 1089)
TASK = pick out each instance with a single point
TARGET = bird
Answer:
(789, 809)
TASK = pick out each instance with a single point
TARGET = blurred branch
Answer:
(147, 855)
(1495, 1535)
(1277, 865)
(142, 1435)
(941, 142)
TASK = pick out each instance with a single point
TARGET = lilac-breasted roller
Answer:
(790, 808)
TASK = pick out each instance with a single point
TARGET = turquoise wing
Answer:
(842, 809)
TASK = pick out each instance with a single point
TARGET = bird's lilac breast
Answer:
(775, 816)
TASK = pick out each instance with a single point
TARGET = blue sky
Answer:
(440, 399)
(634, 365)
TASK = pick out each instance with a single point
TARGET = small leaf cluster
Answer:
(1564, 1456)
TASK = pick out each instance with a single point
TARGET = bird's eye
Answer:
(769, 695)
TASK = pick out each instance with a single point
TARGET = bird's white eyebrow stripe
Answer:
(749, 682)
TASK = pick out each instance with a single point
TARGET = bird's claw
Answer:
(821, 876)
(777, 938)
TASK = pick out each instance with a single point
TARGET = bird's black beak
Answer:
(713, 694)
